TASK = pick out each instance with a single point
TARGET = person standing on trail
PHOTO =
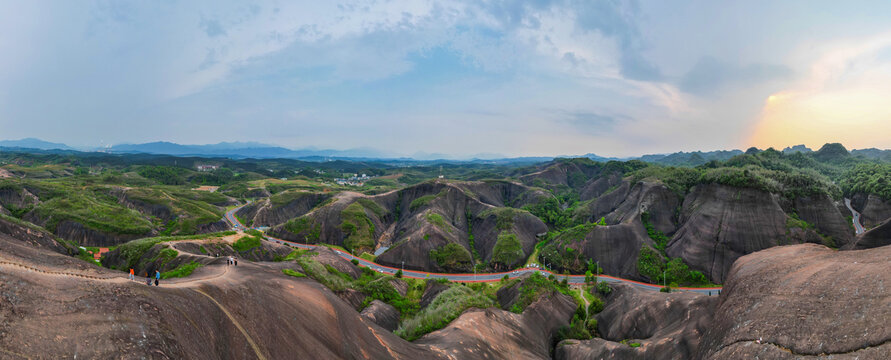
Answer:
(148, 279)
(132, 274)
(157, 277)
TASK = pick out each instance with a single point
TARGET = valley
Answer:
(567, 259)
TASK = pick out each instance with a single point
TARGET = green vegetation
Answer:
(357, 227)
(651, 264)
(452, 257)
(426, 199)
(181, 271)
(167, 175)
(533, 287)
(306, 227)
(95, 209)
(286, 197)
(373, 206)
(293, 273)
(246, 243)
(868, 179)
(291, 256)
(444, 308)
(508, 252)
(552, 213)
(134, 250)
(437, 220)
(657, 236)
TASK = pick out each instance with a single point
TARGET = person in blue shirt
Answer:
(157, 277)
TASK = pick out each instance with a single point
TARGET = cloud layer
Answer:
(459, 77)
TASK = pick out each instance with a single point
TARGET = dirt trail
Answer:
(179, 283)
(61, 273)
(587, 303)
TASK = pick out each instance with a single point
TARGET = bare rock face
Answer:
(433, 289)
(653, 198)
(523, 224)
(352, 297)
(605, 203)
(599, 185)
(804, 301)
(498, 334)
(244, 312)
(83, 235)
(722, 223)
(35, 237)
(400, 286)
(875, 211)
(667, 326)
(328, 256)
(267, 213)
(824, 214)
(875, 237)
(382, 314)
(616, 247)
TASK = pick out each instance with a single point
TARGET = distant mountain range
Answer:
(258, 150)
(32, 143)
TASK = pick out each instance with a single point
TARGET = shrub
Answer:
(447, 306)
(453, 257)
(398, 274)
(596, 306)
(355, 262)
(293, 273)
(603, 288)
(508, 252)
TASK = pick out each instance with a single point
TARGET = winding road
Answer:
(469, 278)
(858, 228)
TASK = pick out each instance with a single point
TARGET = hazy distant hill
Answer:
(690, 158)
(796, 148)
(32, 143)
(243, 150)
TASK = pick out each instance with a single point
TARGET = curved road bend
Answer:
(858, 228)
(482, 277)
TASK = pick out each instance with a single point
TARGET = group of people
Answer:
(231, 260)
(148, 278)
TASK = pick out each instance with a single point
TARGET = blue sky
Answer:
(517, 78)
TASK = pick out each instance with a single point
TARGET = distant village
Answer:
(355, 180)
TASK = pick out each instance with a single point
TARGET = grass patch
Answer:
(373, 206)
(246, 243)
(368, 256)
(445, 308)
(293, 273)
(181, 271)
(426, 199)
(437, 220)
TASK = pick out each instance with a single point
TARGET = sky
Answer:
(516, 78)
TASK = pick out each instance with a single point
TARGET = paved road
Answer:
(482, 277)
(858, 228)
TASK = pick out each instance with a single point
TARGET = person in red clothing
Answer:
(132, 274)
